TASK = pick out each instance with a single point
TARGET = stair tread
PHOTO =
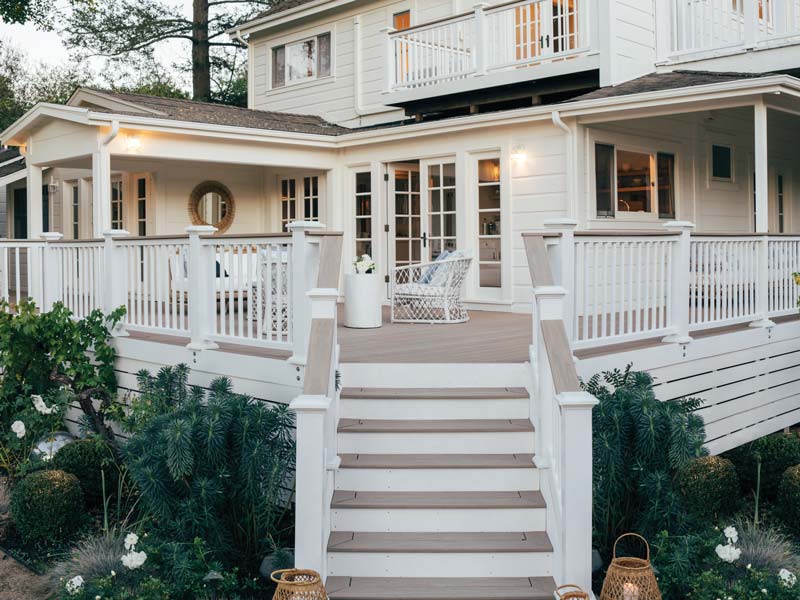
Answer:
(434, 426)
(437, 461)
(445, 588)
(441, 500)
(438, 542)
(501, 393)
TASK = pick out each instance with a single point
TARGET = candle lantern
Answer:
(571, 591)
(298, 584)
(630, 578)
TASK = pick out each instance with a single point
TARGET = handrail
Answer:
(464, 16)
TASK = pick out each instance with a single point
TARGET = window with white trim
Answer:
(489, 232)
(781, 202)
(721, 162)
(300, 61)
(363, 198)
(311, 198)
(141, 205)
(76, 212)
(116, 205)
(441, 208)
(288, 202)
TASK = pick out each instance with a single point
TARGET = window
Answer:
(116, 205)
(141, 206)
(363, 213)
(779, 193)
(628, 181)
(45, 208)
(402, 20)
(76, 212)
(721, 163)
(442, 208)
(489, 239)
(301, 61)
(288, 202)
(20, 214)
(311, 198)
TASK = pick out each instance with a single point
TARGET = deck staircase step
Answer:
(437, 542)
(435, 426)
(424, 588)
(437, 500)
(436, 461)
(433, 394)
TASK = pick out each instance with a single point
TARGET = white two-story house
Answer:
(634, 163)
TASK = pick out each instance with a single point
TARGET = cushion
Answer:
(428, 273)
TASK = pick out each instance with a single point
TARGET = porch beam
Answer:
(101, 192)
(34, 200)
(761, 167)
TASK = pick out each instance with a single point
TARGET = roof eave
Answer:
(15, 134)
(285, 16)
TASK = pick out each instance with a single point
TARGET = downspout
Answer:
(572, 164)
(111, 134)
(359, 108)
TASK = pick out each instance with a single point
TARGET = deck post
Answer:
(564, 266)
(679, 300)
(200, 281)
(479, 43)
(762, 284)
(115, 291)
(34, 199)
(390, 77)
(51, 275)
(664, 29)
(750, 14)
(305, 262)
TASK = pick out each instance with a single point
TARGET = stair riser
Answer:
(437, 480)
(434, 409)
(441, 520)
(437, 443)
(479, 564)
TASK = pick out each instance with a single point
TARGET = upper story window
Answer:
(721, 162)
(301, 61)
(402, 20)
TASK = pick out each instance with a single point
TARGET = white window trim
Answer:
(721, 181)
(329, 28)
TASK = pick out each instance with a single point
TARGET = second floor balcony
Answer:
(488, 46)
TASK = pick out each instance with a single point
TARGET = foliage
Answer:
(675, 559)
(92, 558)
(211, 466)
(742, 584)
(709, 486)
(789, 498)
(46, 505)
(639, 444)
(93, 462)
(766, 548)
(26, 11)
(777, 453)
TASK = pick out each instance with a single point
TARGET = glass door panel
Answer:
(441, 209)
(408, 234)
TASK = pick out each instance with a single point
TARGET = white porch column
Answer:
(200, 278)
(115, 293)
(761, 167)
(679, 285)
(34, 203)
(101, 192)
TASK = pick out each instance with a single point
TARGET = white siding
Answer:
(633, 51)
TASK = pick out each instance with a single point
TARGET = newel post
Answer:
(762, 284)
(115, 291)
(480, 43)
(576, 500)
(750, 14)
(390, 78)
(51, 276)
(563, 265)
(680, 302)
(201, 287)
(305, 263)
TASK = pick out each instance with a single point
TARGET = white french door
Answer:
(407, 236)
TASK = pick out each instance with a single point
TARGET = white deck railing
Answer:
(707, 25)
(626, 286)
(490, 38)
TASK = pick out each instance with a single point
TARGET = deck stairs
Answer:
(437, 495)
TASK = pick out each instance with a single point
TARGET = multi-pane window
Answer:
(76, 212)
(311, 198)
(301, 61)
(288, 202)
(116, 205)
(780, 198)
(442, 208)
(363, 213)
(665, 167)
(141, 206)
(489, 232)
(407, 217)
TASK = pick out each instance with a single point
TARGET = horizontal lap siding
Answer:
(634, 43)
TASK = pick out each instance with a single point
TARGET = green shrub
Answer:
(89, 460)
(778, 452)
(709, 486)
(47, 506)
(789, 498)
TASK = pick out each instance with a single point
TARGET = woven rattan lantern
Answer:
(630, 578)
(298, 584)
(570, 591)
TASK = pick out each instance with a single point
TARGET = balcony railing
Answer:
(706, 25)
(506, 36)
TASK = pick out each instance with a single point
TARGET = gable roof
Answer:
(14, 163)
(279, 7)
(191, 111)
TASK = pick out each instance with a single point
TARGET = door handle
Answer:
(424, 240)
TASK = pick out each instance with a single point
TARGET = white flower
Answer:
(728, 553)
(364, 264)
(74, 585)
(131, 540)
(134, 560)
(98, 598)
(113, 573)
(787, 578)
(18, 427)
(41, 407)
(731, 534)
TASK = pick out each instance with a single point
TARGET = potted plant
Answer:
(362, 295)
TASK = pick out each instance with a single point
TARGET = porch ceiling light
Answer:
(518, 152)
(133, 142)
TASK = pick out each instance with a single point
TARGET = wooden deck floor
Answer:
(488, 337)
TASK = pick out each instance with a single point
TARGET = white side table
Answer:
(362, 301)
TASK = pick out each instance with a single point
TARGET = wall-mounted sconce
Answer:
(518, 152)
(133, 142)
(52, 187)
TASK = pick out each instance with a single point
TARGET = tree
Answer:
(26, 11)
(119, 28)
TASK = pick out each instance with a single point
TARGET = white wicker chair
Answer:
(430, 292)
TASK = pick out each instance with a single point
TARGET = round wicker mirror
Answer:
(211, 203)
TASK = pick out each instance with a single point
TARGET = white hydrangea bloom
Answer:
(41, 407)
(731, 534)
(134, 560)
(131, 540)
(74, 585)
(787, 578)
(18, 427)
(728, 553)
